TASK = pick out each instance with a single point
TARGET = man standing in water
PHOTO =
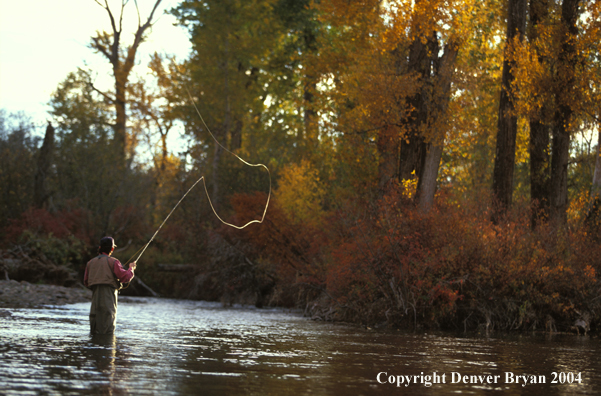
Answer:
(104, 275)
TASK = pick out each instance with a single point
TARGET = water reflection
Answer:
(188, 348)
(102, 351)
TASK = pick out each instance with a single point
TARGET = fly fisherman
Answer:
(104, 275)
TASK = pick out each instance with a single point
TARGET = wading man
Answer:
(104, 275)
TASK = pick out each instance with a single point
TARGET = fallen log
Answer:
(138, 282)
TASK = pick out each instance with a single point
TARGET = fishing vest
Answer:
(100, 271)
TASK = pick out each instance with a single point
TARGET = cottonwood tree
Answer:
(394, 64)
(467, 163)
(539, 131)
(231, 42)
(595, 204)
(122, 59)
(156, 104)
(556, 89)
(18, 148)
(41, 191)
(507, 120)
(565, 94)
(85, 158)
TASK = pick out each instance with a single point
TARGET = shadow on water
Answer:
(171, 347)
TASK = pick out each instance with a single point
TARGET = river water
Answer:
(174, 347)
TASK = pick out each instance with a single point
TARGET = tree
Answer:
(18, 150)
(565, 94)
(41, 193)
(122, 61)
(539, 131)
(592, 51)
(86, 161)
(396, 79)
(231, 45)
(293, 79)
(557, 85)
(595, 205)
(470, 144)
(156, 105)
(507, 121)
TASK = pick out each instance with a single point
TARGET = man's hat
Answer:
(108, 242)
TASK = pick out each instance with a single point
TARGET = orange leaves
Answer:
(590, 272)
(451, 264)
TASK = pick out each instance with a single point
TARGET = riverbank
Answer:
(14, 294)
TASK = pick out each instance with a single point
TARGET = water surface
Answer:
(174, 347)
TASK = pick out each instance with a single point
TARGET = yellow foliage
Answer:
(578, 207)
(300, 193)
(409, 187)
(522, 153)
(167, 189)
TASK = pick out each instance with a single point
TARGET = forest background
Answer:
(433, 163)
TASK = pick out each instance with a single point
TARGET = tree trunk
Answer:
(592, 217)
(596, 188)
(41, 193)
(539, 132)
(412, 156)
(388, 150)
(226, 125)
(426, 187)
(539, 171)
(438, 103)
(236, 136)
(558, 197)
(164, 151)
(507, 121)
(310, 115)
(309, 88)
(109, 45)
(120, 127)
(413, 146)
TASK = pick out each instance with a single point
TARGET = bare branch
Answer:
(108, 10)
(105, 95)
(113, 56)
(131, 53)
(138, 12)
(123, 3)
(153, 11)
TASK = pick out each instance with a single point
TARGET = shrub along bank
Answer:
(452, 267)
(384, 263)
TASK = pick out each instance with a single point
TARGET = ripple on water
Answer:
(178, 347)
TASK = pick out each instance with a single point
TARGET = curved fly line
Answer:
(202, 178)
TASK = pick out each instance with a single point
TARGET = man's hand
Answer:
(132, 265)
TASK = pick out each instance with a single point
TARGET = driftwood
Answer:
(137, 288)
(138, 282)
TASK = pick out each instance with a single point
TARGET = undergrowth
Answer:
(390, 264)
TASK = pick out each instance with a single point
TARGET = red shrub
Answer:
(42, 222)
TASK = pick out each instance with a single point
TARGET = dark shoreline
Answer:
(14, 294)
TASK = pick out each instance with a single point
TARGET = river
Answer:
(176, 347)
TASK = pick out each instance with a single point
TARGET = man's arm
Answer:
(124, 276)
